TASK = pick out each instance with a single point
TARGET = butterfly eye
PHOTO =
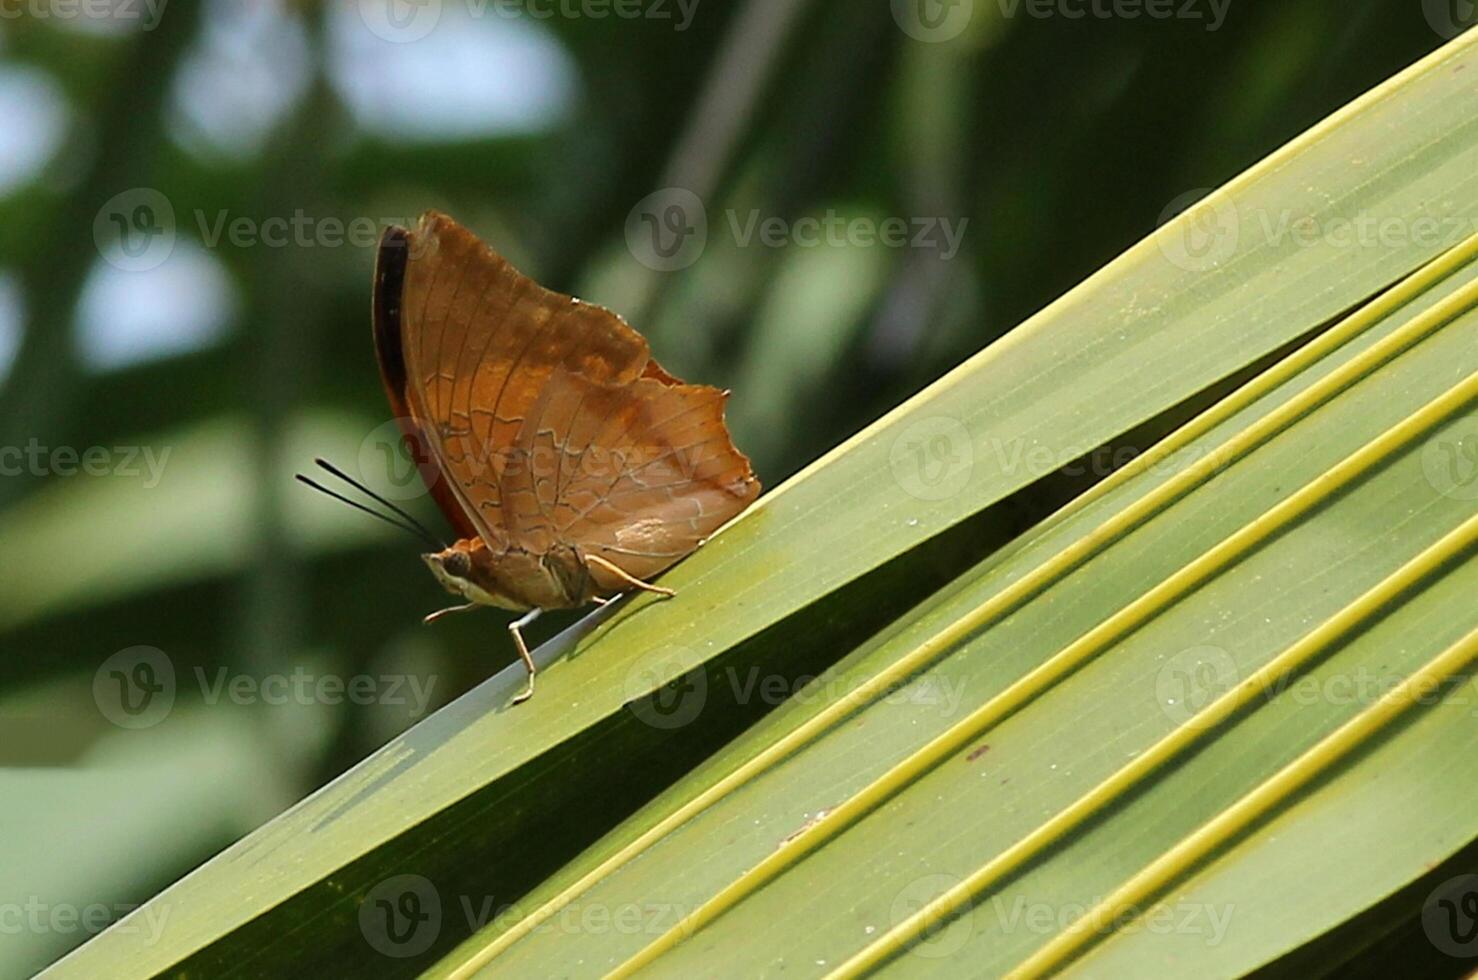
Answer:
(457, 563)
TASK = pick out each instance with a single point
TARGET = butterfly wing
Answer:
(638, 473)
(507, 384)
(387, 317)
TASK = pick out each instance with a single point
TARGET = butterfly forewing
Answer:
(390, 269)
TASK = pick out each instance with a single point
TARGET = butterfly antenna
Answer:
(361, 507)
(414, 532)
(330, 467)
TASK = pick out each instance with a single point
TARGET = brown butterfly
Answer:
(570, 464)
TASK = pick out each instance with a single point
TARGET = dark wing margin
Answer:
(389, 335)
(390, 263)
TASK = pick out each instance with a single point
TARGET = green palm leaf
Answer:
(1041, 670)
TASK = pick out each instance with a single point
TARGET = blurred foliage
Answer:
(1058, 141)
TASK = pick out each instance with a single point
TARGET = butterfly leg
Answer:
(629, 579)
(433, 617)
(516, 628)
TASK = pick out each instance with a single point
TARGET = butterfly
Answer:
(570, 464)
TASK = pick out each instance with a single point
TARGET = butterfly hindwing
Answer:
(638, 473)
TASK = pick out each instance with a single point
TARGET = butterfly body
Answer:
(515, 579)
(572, 466)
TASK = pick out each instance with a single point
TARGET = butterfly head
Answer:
(458, 571)
(453, 569)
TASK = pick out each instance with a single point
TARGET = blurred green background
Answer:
(189, 197)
